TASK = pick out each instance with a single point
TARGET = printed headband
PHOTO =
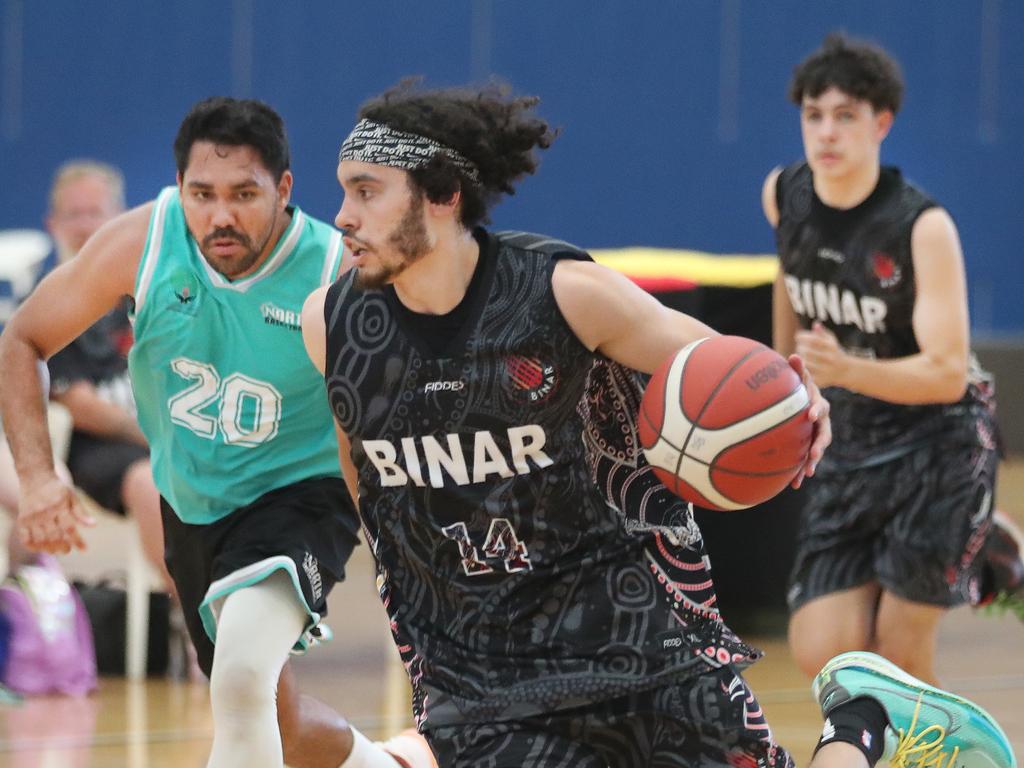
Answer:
(381, 144)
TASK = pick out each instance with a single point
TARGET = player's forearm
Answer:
(95, 416)
(23, 404)
(914, 380)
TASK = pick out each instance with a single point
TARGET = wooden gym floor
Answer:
(160, 724)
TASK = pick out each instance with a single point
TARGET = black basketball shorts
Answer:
(711, 719)
(915, 524)
(307, 529)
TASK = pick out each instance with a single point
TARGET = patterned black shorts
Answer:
(915, 524)
(709, 720)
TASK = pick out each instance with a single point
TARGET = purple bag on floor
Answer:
(50, 648)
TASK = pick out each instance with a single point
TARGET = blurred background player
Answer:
(871, 293)
(258, 524)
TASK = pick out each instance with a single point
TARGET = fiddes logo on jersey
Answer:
(529, 377)
(274, 315)
(455, 385)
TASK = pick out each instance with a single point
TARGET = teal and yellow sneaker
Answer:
(928, 727)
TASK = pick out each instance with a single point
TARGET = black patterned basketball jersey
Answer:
(853, 271)
(489, 477)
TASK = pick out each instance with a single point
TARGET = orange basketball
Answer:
(723, 423)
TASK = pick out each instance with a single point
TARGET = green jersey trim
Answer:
(333, 261)
(154, 241)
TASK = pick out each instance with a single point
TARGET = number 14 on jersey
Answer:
(501, 545)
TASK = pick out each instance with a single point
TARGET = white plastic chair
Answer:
(116, 540)
(21, 253)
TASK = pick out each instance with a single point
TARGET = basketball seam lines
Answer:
(704, 407)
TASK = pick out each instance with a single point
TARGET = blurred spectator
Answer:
(108, 456)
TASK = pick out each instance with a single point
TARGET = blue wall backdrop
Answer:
(672, 112)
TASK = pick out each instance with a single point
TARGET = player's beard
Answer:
(236, 267)
(409, 238)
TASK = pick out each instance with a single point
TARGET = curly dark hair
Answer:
(488, 126)
(235, 123)
(858, 68)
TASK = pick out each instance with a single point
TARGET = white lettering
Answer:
(874, 314)
(851, 315)
(793, 289)
(453, 461)
(527, 442)
(805, 295)
(487, 458)
(412, 461)
(824, 301)
(445, 456)
(383, 455)
(444, 386)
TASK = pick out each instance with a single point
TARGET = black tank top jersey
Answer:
(513, 586)
(853, 271)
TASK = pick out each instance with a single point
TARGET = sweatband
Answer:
(380, 144)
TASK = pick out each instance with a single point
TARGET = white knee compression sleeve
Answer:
(257, 627)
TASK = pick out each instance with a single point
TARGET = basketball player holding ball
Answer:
(871, 294)
(548, 596)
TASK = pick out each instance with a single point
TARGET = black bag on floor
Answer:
(106, 602)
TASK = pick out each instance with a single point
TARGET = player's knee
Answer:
(239, 683)
(812, 648)
(810, 656)
(907, 652)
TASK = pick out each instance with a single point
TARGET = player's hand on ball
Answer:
(822, 355)
(817, 413)
(723, 422)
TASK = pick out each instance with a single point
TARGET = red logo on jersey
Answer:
(886, 269)
(530, 376)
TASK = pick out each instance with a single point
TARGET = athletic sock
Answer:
(860, 722)
(367, 754)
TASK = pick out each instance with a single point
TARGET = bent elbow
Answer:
(954, 385)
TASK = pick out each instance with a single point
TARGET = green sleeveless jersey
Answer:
(226, 395)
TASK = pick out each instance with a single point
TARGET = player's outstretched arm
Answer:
(67, 302)
(610, 314)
